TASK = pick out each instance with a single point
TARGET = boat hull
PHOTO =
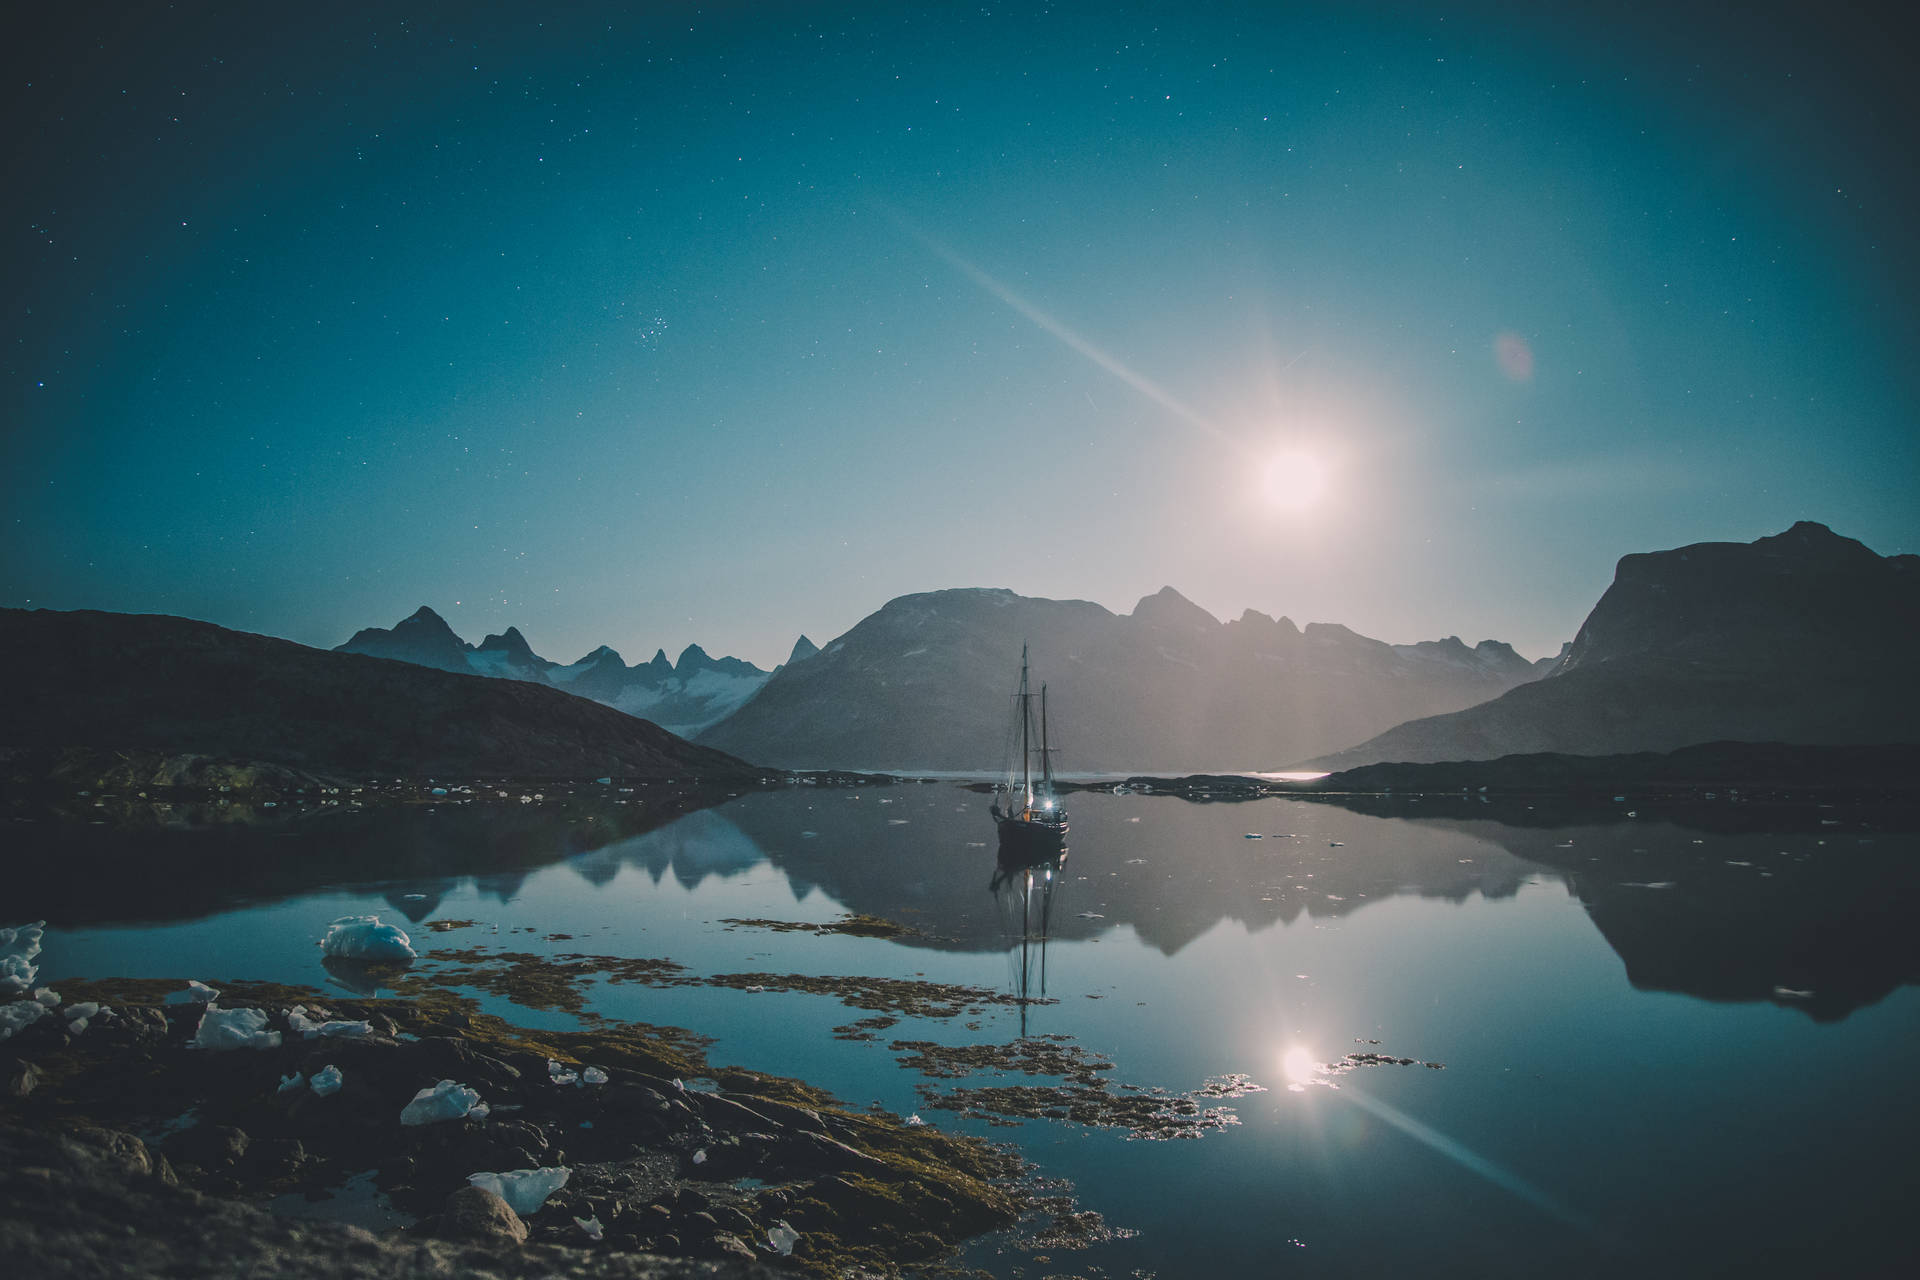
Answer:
(1035, 839)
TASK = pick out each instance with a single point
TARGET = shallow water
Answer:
(1681, 1042)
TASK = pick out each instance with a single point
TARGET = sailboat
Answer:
(1033, 819)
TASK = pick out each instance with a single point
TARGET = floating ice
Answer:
(525, 1189)
(781, 1238)
(47, 996)
(443, 1101)
(18, 1016)
(289, 1083)
(365, 938)
(297, 1019)
(327, 1081)
(593, 1075)
(591, 1226)
(18, 946)
(234, 1029)
(700, 1156)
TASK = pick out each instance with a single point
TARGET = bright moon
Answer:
(1294, 480)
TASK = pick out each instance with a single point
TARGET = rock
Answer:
(475, 1214)
(445, 1058)
(726, 1245)
(21, 1077)
(212, 1146)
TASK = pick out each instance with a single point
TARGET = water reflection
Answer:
(1024, 886)
(1806, 907)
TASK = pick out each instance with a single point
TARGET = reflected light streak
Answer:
(1145, 386)
(1473, 1163)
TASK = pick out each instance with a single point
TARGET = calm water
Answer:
(1683, 1043)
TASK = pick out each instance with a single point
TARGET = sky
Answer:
(677, 324)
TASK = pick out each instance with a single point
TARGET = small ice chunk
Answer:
(443, 1101)
(365, 938)
(591, 1226)
(593, 1075)
(85, 1009)
(201, 991)
(47, 996)
(781, 1238)
(525, 1189)
(327, 1081)
(289, 1083)
(302, 1024)
(233, 1029)
(19, 1015)
(700, 1156)
(18, 946)
(914, 1121)
(559, 1074)
(75, 1027)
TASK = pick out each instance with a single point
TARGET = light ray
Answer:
(1139, 382)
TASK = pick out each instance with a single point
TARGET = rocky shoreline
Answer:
(125, 1149)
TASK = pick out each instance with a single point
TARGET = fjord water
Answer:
(1681, 1042)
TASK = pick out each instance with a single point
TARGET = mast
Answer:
(1046, 753)
(1026, 726)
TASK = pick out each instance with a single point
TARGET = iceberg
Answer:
(222, 1029)
(365, 938)
(201, 991)
(297, 1019)
(18, 946)
(525, 1189)
(443, 1101)
(19, 1015)
(327, 1081)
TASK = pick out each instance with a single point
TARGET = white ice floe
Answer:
(201, 991)
(47, 996)
(18, 946)
(85, 1009)
(593, 1075)
(298, 1019)
(326, 1081)
(443, 1101)
(781, 1238)
(78, 1025)
(365, 938)
(289, 1083)
(914, 1121)
(234, 1029)
(700, 1156)
(525, 1189)
(20, 1015)
(559, 1074)
(591, 1226)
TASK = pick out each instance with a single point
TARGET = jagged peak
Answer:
(1167, 607)
(692, 657)
(603, 654)
(425, 614)
(803, 649)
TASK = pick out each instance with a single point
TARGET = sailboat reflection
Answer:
(1023, 885)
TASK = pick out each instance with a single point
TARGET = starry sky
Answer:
(673, 323)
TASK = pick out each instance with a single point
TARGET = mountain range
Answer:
(165, 693)
(683, 696)
(1803, 637)
(924, 682)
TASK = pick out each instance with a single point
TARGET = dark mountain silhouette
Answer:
(923, 683)
(1802, 637)
(423, 638)
(115, 682)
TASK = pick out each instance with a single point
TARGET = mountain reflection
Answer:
(1807, 907)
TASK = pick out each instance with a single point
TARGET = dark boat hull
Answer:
(1037, 839)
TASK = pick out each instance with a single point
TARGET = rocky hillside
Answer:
(149, 683)
(925, 683)
(1802, 637)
